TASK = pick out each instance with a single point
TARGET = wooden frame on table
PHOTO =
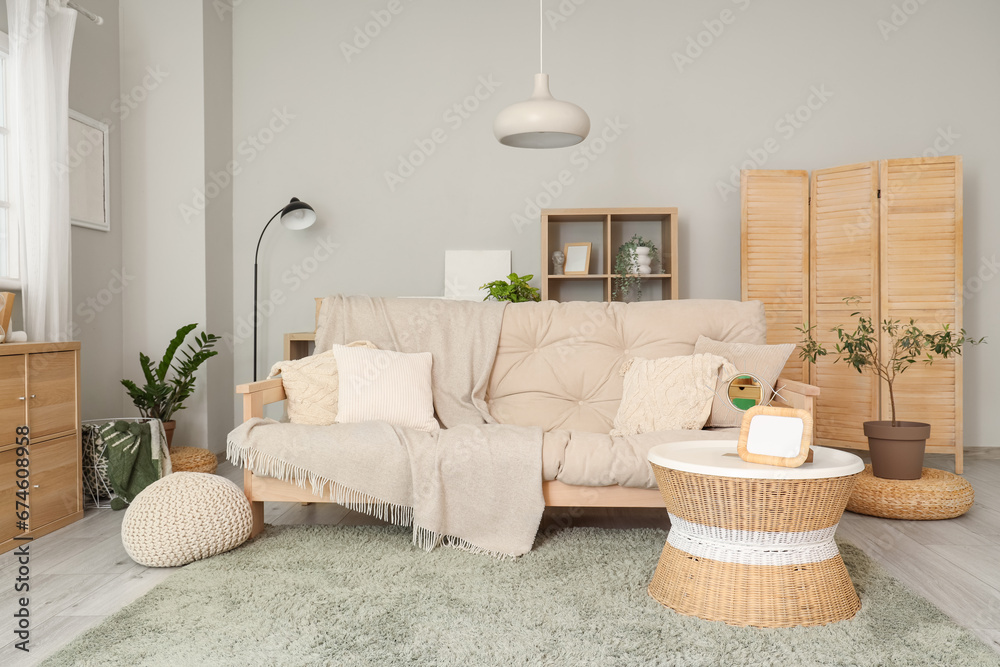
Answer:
(576, 259)
(777, 436)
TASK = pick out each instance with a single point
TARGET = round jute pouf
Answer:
(184, 517)
(936, 495)
(192, 459)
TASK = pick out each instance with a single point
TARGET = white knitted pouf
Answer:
(185, 517)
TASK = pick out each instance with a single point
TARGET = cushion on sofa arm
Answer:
(762, 361)
(311, 386)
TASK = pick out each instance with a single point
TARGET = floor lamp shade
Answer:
(295, 215)
(541, 121)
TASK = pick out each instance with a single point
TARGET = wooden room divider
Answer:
(888, 232)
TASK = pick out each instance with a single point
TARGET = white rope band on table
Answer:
(747, 547)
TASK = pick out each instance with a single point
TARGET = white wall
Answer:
(685, 130)
(163, 166)
(97, 303)
(98, 280)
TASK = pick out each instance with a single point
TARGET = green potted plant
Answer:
(897, 447)
(516, 291)
(161, 396)
(634, 260)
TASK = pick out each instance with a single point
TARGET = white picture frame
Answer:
(89, 167)
(577, 259)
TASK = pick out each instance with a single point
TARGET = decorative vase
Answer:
(642, 261)
(558, 262)
(897, 451)
(168, 428)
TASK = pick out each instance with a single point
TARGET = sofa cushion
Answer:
(384, 385)
(667, 394)
(311, 386)
(557, 363)
(765, 362)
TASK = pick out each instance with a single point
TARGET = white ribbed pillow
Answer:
(763, 361)
(382, 385)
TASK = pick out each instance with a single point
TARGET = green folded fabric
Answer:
(131, 467)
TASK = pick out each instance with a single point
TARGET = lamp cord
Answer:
(541, 37)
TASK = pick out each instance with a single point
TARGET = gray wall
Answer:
(311, 124)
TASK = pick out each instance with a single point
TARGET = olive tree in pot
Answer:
(161, 396)
(896, 447)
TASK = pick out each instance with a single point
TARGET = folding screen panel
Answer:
(844, 249)
(921, 275)
(775, 254)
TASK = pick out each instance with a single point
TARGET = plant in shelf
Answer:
(516, 291)
(897, 447)
(631, 263)
(161, 396)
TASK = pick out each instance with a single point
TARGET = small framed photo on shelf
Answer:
(577, 259)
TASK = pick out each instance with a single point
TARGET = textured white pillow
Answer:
(311, 386)
(763, 361)
(666, 394)
(382, 385)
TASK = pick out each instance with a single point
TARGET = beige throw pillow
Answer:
(311, 386)
(762, 361)
(667, 394)
(382, 385)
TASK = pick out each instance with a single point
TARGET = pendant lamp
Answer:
(541, 121)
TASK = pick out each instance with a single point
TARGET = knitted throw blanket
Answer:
(475, 484)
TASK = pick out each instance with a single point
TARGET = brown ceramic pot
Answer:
(168, 428)
(897, 451)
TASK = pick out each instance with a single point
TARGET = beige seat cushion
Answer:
(311, 386)
(557, 363)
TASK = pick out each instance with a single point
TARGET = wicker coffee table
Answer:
(752, 544)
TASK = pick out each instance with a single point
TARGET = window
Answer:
(8, 229)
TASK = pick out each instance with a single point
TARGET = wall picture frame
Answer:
(776, 436)
(89, 167)
(577, 259)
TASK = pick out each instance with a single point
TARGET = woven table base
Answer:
(936, 495)
(763, 596)
(193, 459)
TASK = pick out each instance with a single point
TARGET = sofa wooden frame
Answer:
(259, 489)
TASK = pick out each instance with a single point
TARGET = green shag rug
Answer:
(326, 595)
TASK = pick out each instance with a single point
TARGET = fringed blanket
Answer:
(474, 485)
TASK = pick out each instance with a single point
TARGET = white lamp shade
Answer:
(298, 215)
(541, 121)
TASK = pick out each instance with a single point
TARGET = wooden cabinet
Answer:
(889, 233)
(40, 388)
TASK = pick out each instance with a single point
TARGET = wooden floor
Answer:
(81, 574)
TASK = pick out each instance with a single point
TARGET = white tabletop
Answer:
(720, 458)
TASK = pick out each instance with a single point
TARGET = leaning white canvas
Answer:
(466, 270)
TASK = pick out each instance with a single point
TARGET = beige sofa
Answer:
(557, 367)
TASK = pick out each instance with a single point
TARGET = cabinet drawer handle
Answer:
(20, 398)
(32, 395)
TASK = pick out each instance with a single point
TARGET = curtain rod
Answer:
(85, 12)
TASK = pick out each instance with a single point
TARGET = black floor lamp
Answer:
(295, 215)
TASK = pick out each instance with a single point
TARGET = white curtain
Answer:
(41, 41)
